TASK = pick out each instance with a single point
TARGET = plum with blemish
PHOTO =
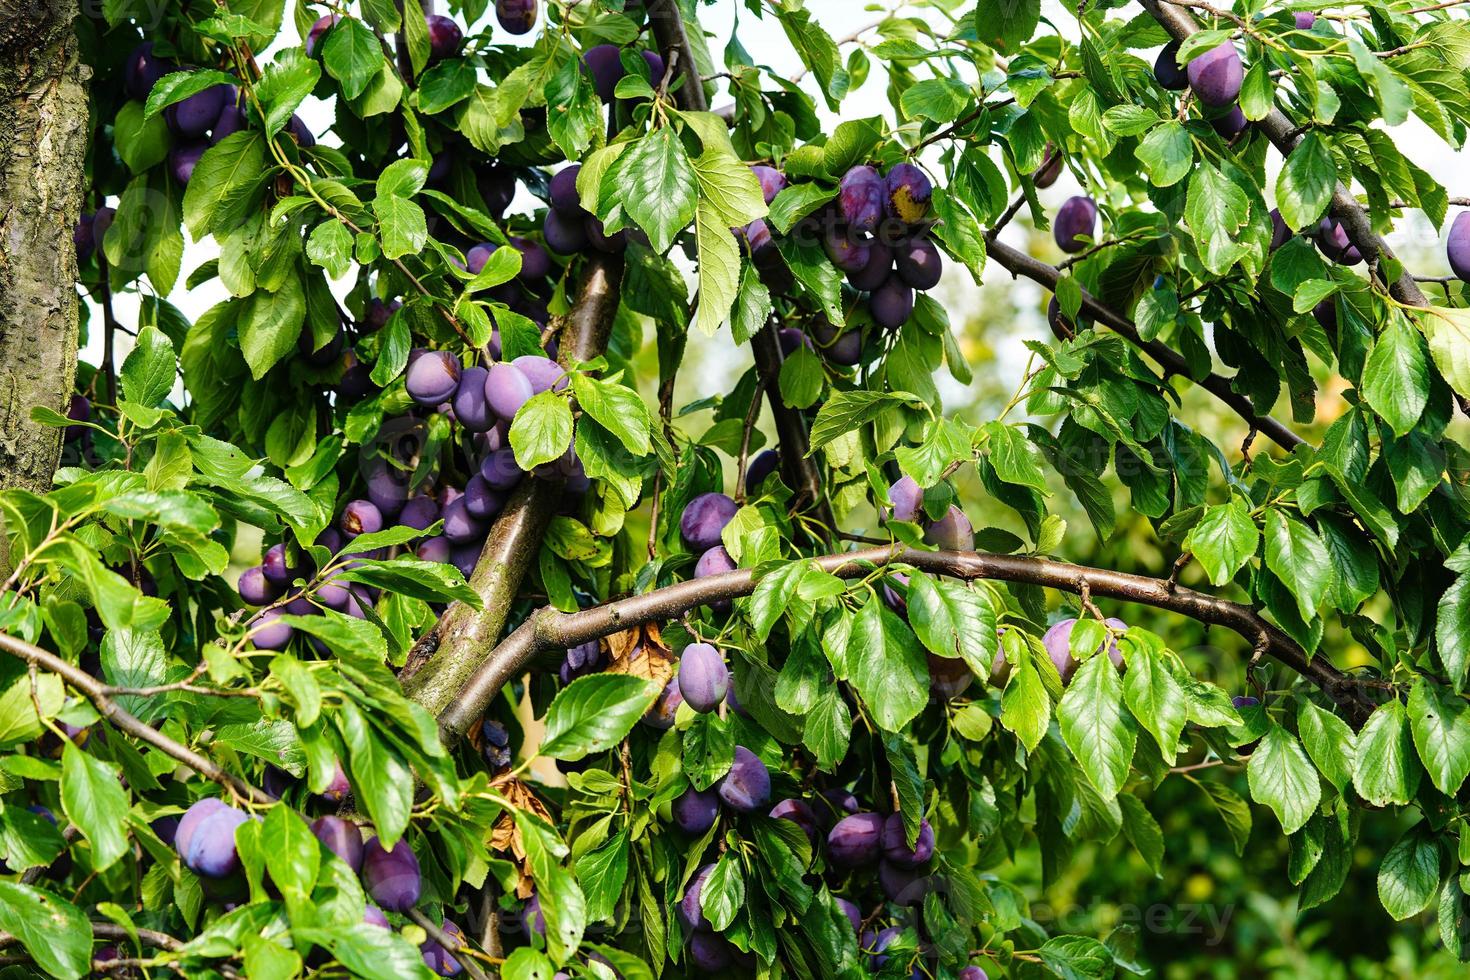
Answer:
(360, 517)
(907, 193)
(433, 378)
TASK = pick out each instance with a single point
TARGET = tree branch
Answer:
(88, 686)
(1020, 264)
(448, 654)
(450, 945)
(1283, 134)
(550, 629)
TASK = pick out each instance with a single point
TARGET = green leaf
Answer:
(1300, 560)
(179, 85)
(723, 893)
(1216, 211)
(661, 190)
(292, 854)
(1153, 695)
(1304, 187)
(887, 666)
(1076, 957)
(1385, 770)
(953, 620)
(1095, 727)
(802, 378)
(1409, 875)
(719, 269)
(142, 143)
(602, 874)
(709, 750)
(330, 246)
(938, 99)
(617, 408)
(1452, 631)
(594, 713)
(1329, 741)
(1234, 812)
(270, 324)
(95, 801)
(1014, 457)
(542, 430)
(381, 781)
(1006, 24)
(352, 55)
(284, 86)
(54, 931)
(148, 372)
(226, 183)
(1448, 333)
(1025, 708)
(1223, 540)
(847, 410)
(401, 225)
(1282, 777)
(1142, 831)
(1167, 153)
(1440, 723)
(378, 954)
(1396, 376)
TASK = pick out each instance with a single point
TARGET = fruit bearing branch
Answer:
(448, 653)
(87, 685)
(1285, 136)
(550, 629)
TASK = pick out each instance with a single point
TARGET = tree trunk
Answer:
(43, 116)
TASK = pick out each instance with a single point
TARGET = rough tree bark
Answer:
(43, 116)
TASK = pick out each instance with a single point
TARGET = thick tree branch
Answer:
(448, 654)
(1018, 263)
(88, 686)
(1285, 135)
(550, 629)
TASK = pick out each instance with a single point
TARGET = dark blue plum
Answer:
(360, 517)
(895, 845)
(855, 841)
(481, 502)
(466, 556)
(689, 910)
(704, 518)
(564, 235)
(661, 715)
(1167, 70)
(1215, 76)
(342, 838)
(563, 196)
(193, 116)
(892, 303)
(747, 786)
(772, 181)
(495, 745)
(715, 561)
(695, 811)
(853, 913)
(143, 69)
(604, 63)
(798, 812)
(1280, 233)
(318, 31)
(391, 878)
(761, 465)
(710, 953)
(255, 589)
(1332, 239)
(500, 470)
(277, 567)
(377, 314)
(580, 660)
(439, 959)
(206, 838)
(1050, 169)
(918, 263)
(445, 37)
(183, 158)
(874, 943)
(1230, 124)
(506, 389)
(420, 513)
(516, 16)
(535, 263)
(844, 253)
(459, 526)
(873, 275)
(703, 677)
(860, 199)
(1076, 220)
(471, 407)
(612, 244)
(231, 120)
(903, 886)
(543, 373)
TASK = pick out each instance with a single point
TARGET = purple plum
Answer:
(855, 840)
(391, 877)
(918, 263)
(860, 199)
(516, 16)
(1076, 220)
(433, 378)
(703, 677)
(895, 845)
(695, 810)
(342, 838)
(1215, 76)
(704, 518)
(907, 192)
(892, 303)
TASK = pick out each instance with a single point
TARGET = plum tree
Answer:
(457, 390)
